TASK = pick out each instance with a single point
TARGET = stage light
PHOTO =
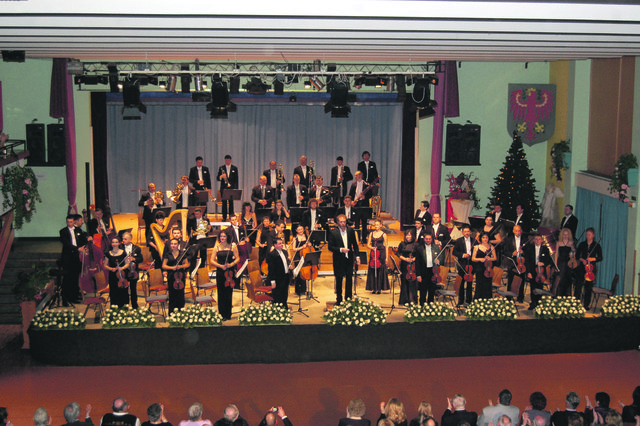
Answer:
(131, 99)
(278, 87)
(337, 104)
(422, 97)
(401, 87)
(197, 82)
(255, 86)
(234, 85)
(171, 83)
(185, 79)
(293, 98)
(315, 81)
(113, 79)
(359, 81)
(163, 84)
(307, 84)
(220, 105)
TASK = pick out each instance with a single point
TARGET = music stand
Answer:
(311, 259)
(261, 213)
(362, 255)
(165, 210)
(395, 274)
(318, 236)
(296, 214)
(201, 198)
(231, 195)
(329, 211)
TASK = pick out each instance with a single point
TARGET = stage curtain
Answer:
(162, 146)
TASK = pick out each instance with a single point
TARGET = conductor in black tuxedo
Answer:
(569, 220)
(340, 177)
(343, 245)
(535, 255)
(262, 194)
(278, 274)
(72, 239)
(369, 171)
(228, 178)
(199, 176)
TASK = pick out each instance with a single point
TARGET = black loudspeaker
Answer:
(463, 145)
(36, 145)
(278, 87)
(13, 55)
(56, 145)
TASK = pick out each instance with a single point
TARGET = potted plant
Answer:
(620, 180)
(560, 159)
(29, 290)
(462, 186)
(20, 192)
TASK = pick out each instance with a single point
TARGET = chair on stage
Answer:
(496, 281)
(155, 283)
(256, 291)
(451, 295)
(205, 299)
(552, 288)
(513, 294)
(203, 282)
(141, 226)
(91, 294)
(599, 291)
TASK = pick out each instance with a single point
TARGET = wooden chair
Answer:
(451, 295)
(205, 299)
(513, 294)
(157, 299)
(203, 282)
(91, 296)
(599, 291)
(256, 292)
(141, 225)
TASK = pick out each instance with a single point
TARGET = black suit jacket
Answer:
(256, 195)
(341, 263)
(306, 219)
(291, 196)
(136, 253)
(231, 234)
(524, 223)
(304, 181)
(459, 249)
(450, 418)
(147, 213)
(373, 171)
(352, 218)
(441, 234)
(426, 219)
(421, 259)
(571, 223)
(530, 257)
(69, 251)
(206, 177)
(232, 178)
(418, 237)
(279, 275)
(367, 196)
(346, 178)
(274, 184)
(325, 195)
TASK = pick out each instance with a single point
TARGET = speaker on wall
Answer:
(36, 145)
(463, 145)
(55, 145)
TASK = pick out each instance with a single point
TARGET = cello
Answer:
(244, 251)
(436, 277)
(308, 272)
(91, 258)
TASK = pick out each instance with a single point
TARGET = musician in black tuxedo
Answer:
(369, 171)
(228, 178)
(514, 247)
(427, 263)
(356, 190)
(439, 231)
(536, 255)
(305, 172)
(275, 179)
(320, 192)
(313, 219)
(569, 220)
(134, 254)
(262, 194)
(99, 224)
(462, 250)
(496, 214)
(235, 233)
(185, 198)
(419, 232)
(278, 275)
(522, 219)
(341, 176)
(351, 213)
(297, 194)
(149, 202)
(343, 245)
(199, 179)
(588, 251)
(72, 239)
(423, 214)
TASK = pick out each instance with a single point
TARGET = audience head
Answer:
(394, 410)
(539, 421)
(458, 401)
(429, 421)
(195, 411)
(154, 412)
(573, 400)
(270, 419)
(538, 401)
(41, 417)
(231, 413)
(120, 405)
(613, 418)
(636, 396)
(504, 397)
(575, 419)
(71, 412)
(356, 408)
(385, 422)
(504, 420)
(424, 410)
(603, 399)
(3, 415)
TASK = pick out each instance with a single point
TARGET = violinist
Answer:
(491, 230)
(225, 257)
(514, 249)
(248, 217)
(313, 219)
(115, 257)
(565, 258)
(176, 274)
(298, 243)
(537, 258)
(439, 231)
(236, 233)
(419, 232)
(589, 253)
(134, 258)
(407, 254)
(343, 245)
(264, 239)
(377, 279)
(279, 212)
(353, 218)
(462, 250)
(427, 265)
(320, 192)
(483, 256)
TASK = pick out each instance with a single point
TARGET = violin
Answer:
(573, 263)
(540, 274)
(411, 270)
(375, 259)
(178, 280)
(488, 268)
(468, 273)
(520, 266)
(229, 274)
(588, 274)
(122, 279)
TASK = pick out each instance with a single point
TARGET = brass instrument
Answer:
(203, 228)
(279, 173)
(159, 197)
(376, 204)
(175, 194)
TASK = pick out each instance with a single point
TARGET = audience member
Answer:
(629, 412)
(424, 412)
(271, 419)
(613, 418)
(575, 419)
(394, 411)
(538, 403)
(504, 420)
(561, 418)
(155, 412)
(492, 413)
(4, 415)
(231, 417)
(41, 417)
(385, 422)
(72, 413)
(601, 408)
(355, 412)
(120, 415)
(429, 421)
(456, 412)
(195, 416)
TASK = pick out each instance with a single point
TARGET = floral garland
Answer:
(356, 312)
(266, 313)
(463, 185)
(66, 319)
(620, 180)
(622, 306)
(30, 285)
(558, 164)
(492, 309)
(20, 193)
(195, 316)
(127, 317)
(436, 311)
(559, 308)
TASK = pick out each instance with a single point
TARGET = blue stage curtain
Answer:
(162, 146)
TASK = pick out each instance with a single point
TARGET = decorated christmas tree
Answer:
(516, 186)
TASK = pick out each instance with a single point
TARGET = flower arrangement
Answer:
(265, 313)
(356, 312)
(492, 309)
(559, 307)
(558, 163)
(20, 193)
(66, 319)
(622, 306)
(30, 284)
(461, 186)
(620, 180)
(436, 311)
(127, 317)
(195, 316)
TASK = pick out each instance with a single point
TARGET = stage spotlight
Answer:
(315, 81)
(401, 87)
(307, 84)
(220, 104)
(337, 104)
(113, 79)
(359, 81)
(185, 79)
(197, 82)
(278, 87)
(172, 81)
(234, 85)
(131, 98)
(293, 98)
(422, 97)
(255, 86)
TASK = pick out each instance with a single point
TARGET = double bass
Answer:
(91, 258)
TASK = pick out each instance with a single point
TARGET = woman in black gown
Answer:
(482, 252)
(300, 241)
(176, 274)
(377, 279)
(118, 296)
(407, 255)
(225, 258)
(279, 212)
(564, 251)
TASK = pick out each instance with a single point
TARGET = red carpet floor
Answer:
(315, 394)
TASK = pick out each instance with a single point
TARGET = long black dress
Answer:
(176, 294)
(377, 279)
(225, 292)
(117, 295)
(483, 284)
(300, 285)
(565, 273)
(408, 288)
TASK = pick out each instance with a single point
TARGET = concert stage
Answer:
(319, 342)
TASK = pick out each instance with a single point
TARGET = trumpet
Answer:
(279, 173)
(175, 194)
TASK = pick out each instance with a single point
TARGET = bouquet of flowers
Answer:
(492, 309)
(356, 312)
(620, 181)
(461, 186)
(20, 192)
(266, 313)
(195, 316)
(30, 285)
(436, 311)
(622, 306)
(127, 317)
(559, 307)
(66, 319)
(557, 159)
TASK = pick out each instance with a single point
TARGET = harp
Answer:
(176, 216)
